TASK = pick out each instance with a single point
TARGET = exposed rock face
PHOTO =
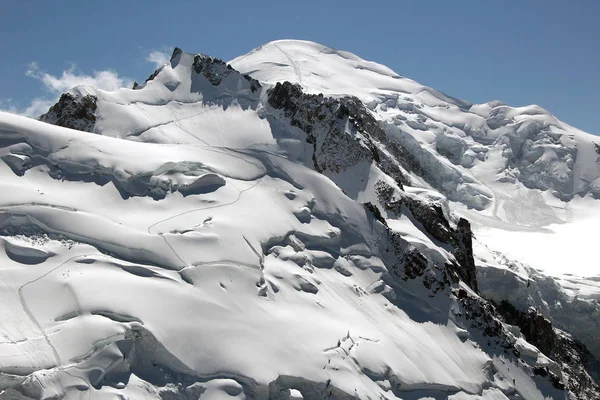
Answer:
(393, 151)
(335, 149)
(570, 367)
(569, 353)
(463, 244)
(325, 120)
(215, 70)
(432, 217)
(73, 112)
(343, 133)
(176, 51)
(537, 329)
(579, 316)
(408, 264)
(480, 315)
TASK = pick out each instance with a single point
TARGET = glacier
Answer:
(295, 224)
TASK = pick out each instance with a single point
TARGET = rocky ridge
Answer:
(343, 133)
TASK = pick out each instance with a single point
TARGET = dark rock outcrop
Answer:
(322, 119)
(409, 264)
(216, 70)
(572, 355)
(176, 51)
(432, 218)
(536, 329)
(73, 112)
(343, 133)
(213, 69)
(462, 240)
(325, 120)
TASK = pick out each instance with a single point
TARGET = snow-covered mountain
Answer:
(294, 223)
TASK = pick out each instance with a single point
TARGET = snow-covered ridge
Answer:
(492, 143)
(526, 180)
(218, 235)
(305, 246)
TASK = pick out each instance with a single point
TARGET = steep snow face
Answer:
(207, 241)
(320, 69)
(191, 90)
(570, 302)
(528, 182)
(504, 168)
(272, 280)
(493, 142)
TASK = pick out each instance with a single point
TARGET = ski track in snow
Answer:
(60, 366)
(293, 301)
(292, 64)
(239, 195)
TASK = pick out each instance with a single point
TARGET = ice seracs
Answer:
(287, 225)
(504, 168)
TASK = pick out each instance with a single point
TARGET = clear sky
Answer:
(519, 52)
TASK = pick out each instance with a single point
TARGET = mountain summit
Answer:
(291, 224)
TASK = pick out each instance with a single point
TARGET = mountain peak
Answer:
(176, 52)
(322, 69)
(292, 222)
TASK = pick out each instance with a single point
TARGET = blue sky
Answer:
(520, 52)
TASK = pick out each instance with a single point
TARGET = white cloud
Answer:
(56, 85)
(158, 58)
(36, 108)
(105, 80)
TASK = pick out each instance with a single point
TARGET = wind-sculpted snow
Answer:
(482, 145)
(210, 234)
(146, 170)
(527, 181)
(172, 295)
(569, 302)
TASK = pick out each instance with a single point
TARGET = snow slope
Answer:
(233, 284)
(528, 182)
(509, 169)
(213, 235)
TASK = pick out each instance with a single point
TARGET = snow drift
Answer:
(286, 225)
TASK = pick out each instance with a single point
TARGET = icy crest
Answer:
(217, 232)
